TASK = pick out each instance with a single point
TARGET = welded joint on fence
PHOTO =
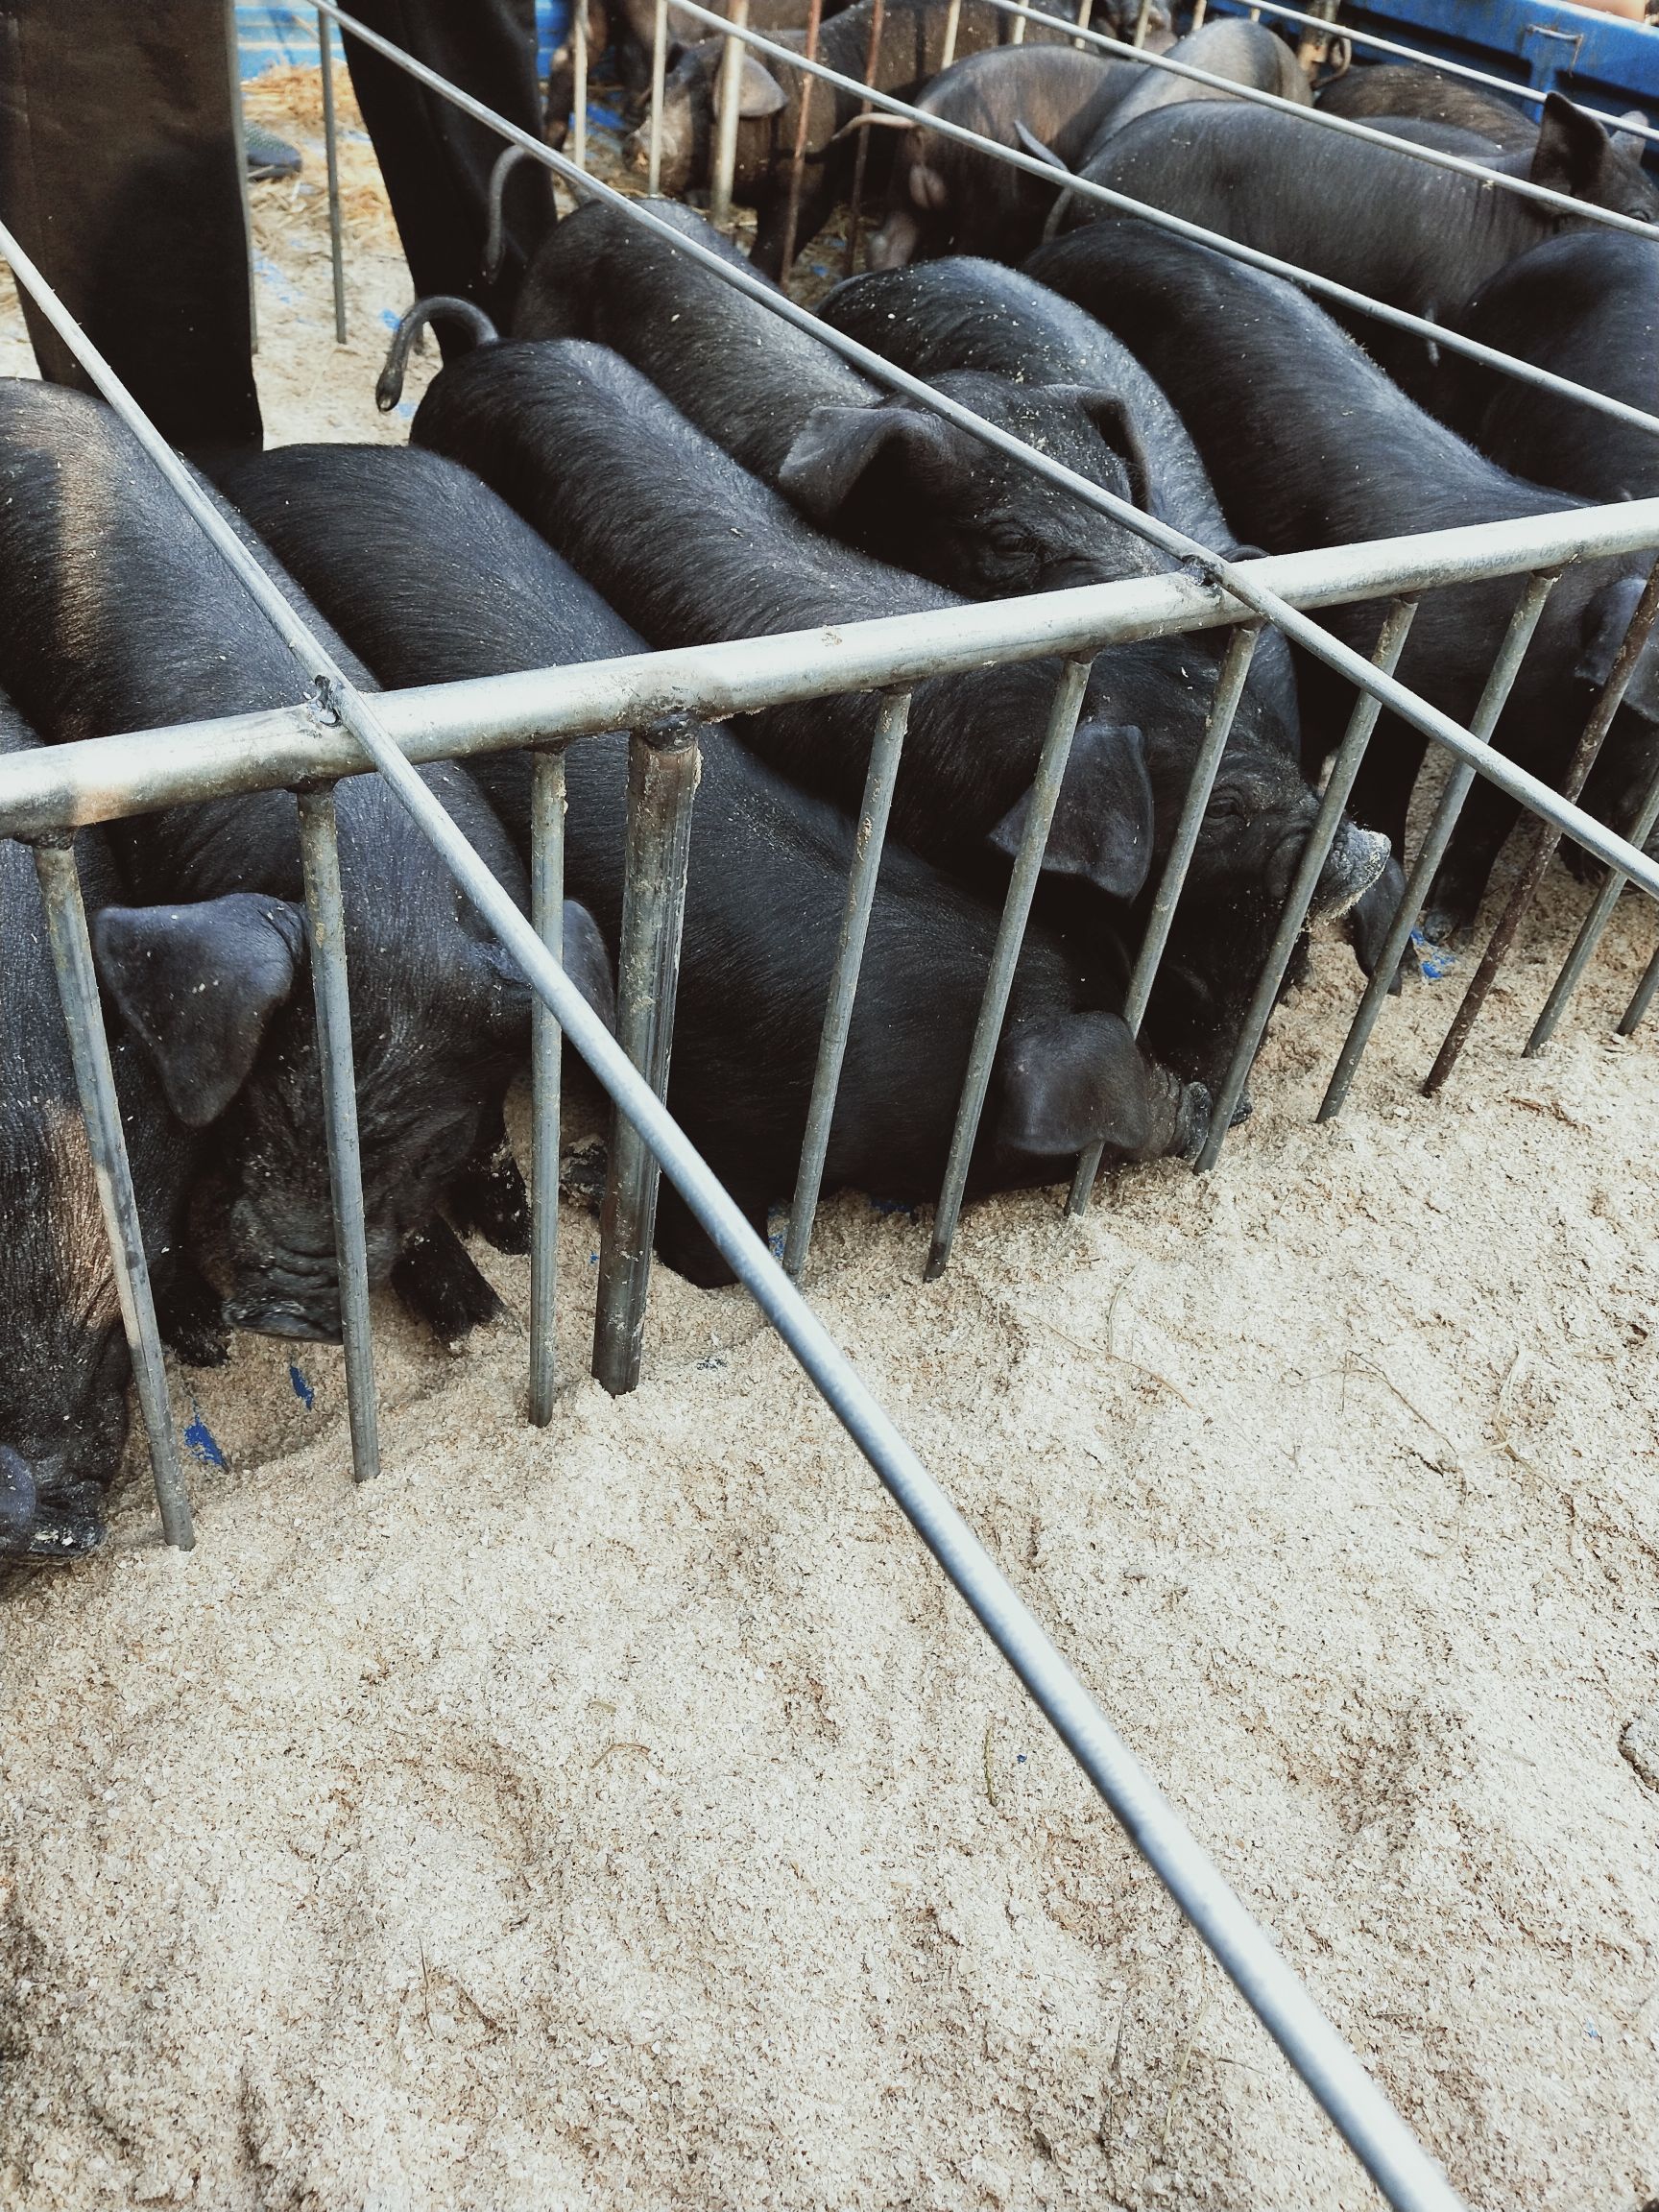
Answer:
(869, 841)
(1045, 785)
(664, 766)
(71, 946)
(1500, 682)
(1546, 837)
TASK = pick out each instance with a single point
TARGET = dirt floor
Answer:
(625, 1815)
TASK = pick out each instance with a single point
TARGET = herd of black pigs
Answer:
(649, 458)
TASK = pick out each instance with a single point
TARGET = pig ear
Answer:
(1606, 619)
(1069, 1081)
(837, 447)
(1632, 144)
(198, 985)
(759, 91)
(1102, 827)
(1572, 152)
(587, 963)
(1109, 412)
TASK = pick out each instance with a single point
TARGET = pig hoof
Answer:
(1192, 1122)
(190, 1315)
(493, 1200)
(437, 1280)
(1242, 1111)
(68, 1525)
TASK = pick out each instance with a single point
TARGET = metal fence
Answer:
(337, 731)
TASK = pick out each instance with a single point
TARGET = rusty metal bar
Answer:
(798, 154)
(659, 81)
(331, 154)
(861, 156)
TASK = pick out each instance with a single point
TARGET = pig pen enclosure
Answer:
(614, 1811)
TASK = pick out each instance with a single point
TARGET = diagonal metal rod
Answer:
(1390, 644)
(1591, 930)
(1344, 126)
(1005, 954)
(1500, 682)
(325, 922)
(1230, 684)
(547, 1052)
(1122, 204)
(1513, 88)
(1633, 1016)
(870, 838)
(1368, 2122)
(59, 882)
(331, 154)
(663, 771)
(1544, 837)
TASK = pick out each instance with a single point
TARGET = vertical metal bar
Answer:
(331, 148)
(1005, 954)
(1230, 684)
(1198, 12)
(726, 128)
(952, 25)
(579, 84)
(1390, 644)
(662, 770)
(1499, 684)
(1544, 837)
(1590, 933)
(872, 833)
(101, 1109)
(325, 914)
(659, 78)
(1084, 12)
(861, 156)
(1142, 17)
(547, 1045)
(1018, 35)
(1630, 1021)
(798, 157)
(239, 140)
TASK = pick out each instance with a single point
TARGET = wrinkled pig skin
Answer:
(1310, 445)
(208, 961)
(692, 549)
(459, 585)
(63, 1413)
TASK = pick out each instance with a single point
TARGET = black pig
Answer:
(1310, 445)
(120, 616)
(1383, 221)
(1380, 91)
(433, 578)
(64, 1379)
(665, 524)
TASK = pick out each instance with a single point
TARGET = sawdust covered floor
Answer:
(625, 1816)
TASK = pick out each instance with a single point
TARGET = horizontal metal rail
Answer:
(1356, 2107)
(1122, 204)
(107, 778)
(1335, 28)
(1345, 126)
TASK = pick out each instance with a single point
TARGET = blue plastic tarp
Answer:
(274, 32)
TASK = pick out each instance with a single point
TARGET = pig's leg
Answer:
(682, 1243)
(190, 1314)
(437, 1280)
(817, 200)
(1460, 882)
(490, 1195)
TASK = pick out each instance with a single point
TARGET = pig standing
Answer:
(1382, 222)
(209, 965)
(64, 1379)
(1312, 444)
(409, 555)
(676, 533)
(1380, 91)
(885, 474)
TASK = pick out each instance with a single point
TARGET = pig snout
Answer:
(46, 1526)
(1356, 861)
(1180, 1117)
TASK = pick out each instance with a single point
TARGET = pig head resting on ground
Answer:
(461, 587)
(122, 616)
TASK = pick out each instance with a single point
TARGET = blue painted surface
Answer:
(1598, 60)
(273, 32)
